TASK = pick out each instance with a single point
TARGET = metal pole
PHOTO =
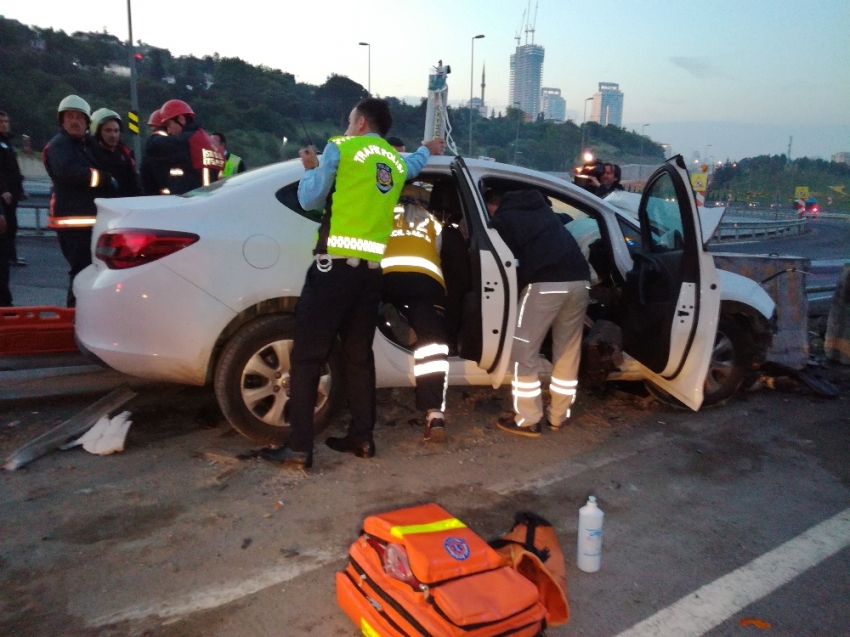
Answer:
(583, 126)
(471, 78)
(369, 58)
(640, 165)
(516, 141)
(134, 98)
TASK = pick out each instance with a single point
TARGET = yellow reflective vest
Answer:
(413, 247)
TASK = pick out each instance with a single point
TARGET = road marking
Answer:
(714, 603)
(219, 595)
(550, 475)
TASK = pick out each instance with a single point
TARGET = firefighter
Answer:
(233, 164)
(154, 172)
(117, 158)
(357, 183)
(413, 283)
(78, 176)
(192, 158)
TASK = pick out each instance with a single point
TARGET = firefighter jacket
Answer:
(233, 164)
(413, 244)
(358, 217)
(154, 170)
(121, 164)
(11, 179)
(545, 250)
(191, 157)
(78, 178)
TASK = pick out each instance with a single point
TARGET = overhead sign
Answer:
(699, 181)
(133, 122)
(801, 192)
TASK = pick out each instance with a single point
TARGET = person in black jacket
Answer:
(5, 293)
(117, 158)
(193, 159)
(78, 179)
(11, 189)
(553, 279)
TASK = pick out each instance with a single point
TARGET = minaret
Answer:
(483, 84)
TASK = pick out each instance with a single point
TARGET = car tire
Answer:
(730, 365)
(252, 380)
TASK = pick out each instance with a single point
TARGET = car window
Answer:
(288, 196)
(631, 235)
(664, 215)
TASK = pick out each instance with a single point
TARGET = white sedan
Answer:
(202, 288)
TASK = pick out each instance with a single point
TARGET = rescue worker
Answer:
(233, 164)
(154, 172)
(117, 158)
(413, 283)
(192, 157)
(357, 182)
(553, 279)
(78, 179)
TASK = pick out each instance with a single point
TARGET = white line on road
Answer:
(215, 596)
(714, 603)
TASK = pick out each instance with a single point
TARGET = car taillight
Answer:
(128, 248)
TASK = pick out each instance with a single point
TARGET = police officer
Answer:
(413, 283)
(357, 182)
(78, 178)
(193, 159)
(11, 189)
(553, 279)
(233, 164)
(117, 158)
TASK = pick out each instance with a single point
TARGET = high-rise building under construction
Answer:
(526, 75)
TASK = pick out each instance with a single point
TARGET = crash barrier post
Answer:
(36, 330)
(837, 342)
(784, 280)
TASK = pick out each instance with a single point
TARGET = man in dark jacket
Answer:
(5, 293)
(553, 279)
(78, 179)
(117, 158)
(11, 189)
(192, 158)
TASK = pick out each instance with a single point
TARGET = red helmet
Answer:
(175, 108)
(155, 119)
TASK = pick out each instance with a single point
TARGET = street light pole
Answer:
(583, 126)
(134, 97)
(369, 47)
(471, 78)
(516, 141)
(640, 165)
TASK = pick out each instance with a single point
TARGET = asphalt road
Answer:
(712, 518)
(827, 239)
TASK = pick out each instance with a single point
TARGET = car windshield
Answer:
(238, 180)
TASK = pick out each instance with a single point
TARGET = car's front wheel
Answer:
(252, 380)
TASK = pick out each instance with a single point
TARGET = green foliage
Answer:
(256, 106)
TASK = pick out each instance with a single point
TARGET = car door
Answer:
(672, 294)
(490, 310)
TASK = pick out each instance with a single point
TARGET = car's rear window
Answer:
(288, 196)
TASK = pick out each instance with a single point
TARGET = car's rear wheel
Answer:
(252, 380)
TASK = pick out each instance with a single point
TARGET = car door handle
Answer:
(486, 289)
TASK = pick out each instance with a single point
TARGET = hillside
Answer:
(257, 106)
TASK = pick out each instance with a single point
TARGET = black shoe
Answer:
(509, 424)
(364, 449)
(288, 458)
(435, 430)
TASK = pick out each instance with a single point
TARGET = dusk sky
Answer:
(735, 76)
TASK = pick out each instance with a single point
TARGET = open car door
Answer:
(490, 309)
(672, 294)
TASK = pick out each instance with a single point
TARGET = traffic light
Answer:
(139, 57)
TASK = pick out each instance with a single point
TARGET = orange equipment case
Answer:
(457, 584)
(36, 330)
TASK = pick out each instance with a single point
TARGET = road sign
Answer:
(699, 181)
(801, 192)
(133, 122)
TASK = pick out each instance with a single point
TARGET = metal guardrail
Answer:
(737, 230)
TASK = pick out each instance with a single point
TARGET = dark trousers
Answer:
(422, 299)
(76, 248)
(5, 257)
(11, 212)
(341, 302)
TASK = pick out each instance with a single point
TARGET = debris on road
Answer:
(774, 372)
(74, 426)
(106, 437)
(752, 621)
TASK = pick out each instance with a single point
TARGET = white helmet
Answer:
(74, 103)
(100, 116)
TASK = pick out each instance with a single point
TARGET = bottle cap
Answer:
(591, 500)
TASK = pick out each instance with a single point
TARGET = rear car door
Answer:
(491, 306)
(672, 294)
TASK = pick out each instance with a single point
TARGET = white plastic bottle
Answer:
(590, 536)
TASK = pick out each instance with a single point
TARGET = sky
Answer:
(726, 78)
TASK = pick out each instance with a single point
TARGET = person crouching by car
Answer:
(79, 177)
(117, 157)
(553, 279)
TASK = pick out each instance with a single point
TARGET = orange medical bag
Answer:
(420, 572)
